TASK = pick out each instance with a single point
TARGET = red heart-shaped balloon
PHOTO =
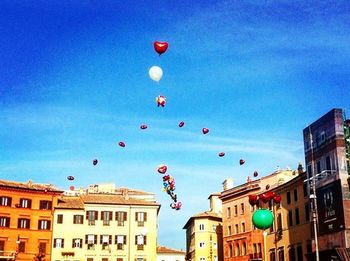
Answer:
(160, 47)
(277, 199)
(181, 124)
(162, 169)
(241, 161)
(221, 154)
(253, 199)
(255, 174)
(264, 197)
(205, 130)
(143, 127)
(121, 144)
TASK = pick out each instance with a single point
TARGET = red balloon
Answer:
(95, 161)
(160, 47)
(255, 174)
(71, 187)
(270, 195)
(253, 199)
(121, 144)
(181, 124)
(241, 161)
(264, 197)
(277, 199)
(162, 169)
(143, 127)
(221, 154)
(205, 130)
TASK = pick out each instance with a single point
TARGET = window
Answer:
(78, 219)
(91, 216)
(318, 167)
(308, 247)
(105, 241)
(2, 245)
(280, 254)
(229, 231)
(236, 229)
(89, 259)
(201, 226)
(288, 197)
(230, 251)
(140, 217)
(295, 195)
(59, 219)
(121, 217)
(77, 243)
(119, 259)
(91, 240)
(300, 253)
(291, 254)
(290, 218)
(44, 225)
(243, 227)
(140, 241)
(42, 247)
(254, 248)
(58, 243)
(236, 210)
(104, 259)
(120, 240)
(22, 247)
(237, 250)
(44, 204)
(305, 189)
(297, 220)
(228, 212)
(5, 201)
(307, 212)
(328, 163)
(106, 216)
(242, 208)
(272, 255)
(201, 244)
(23, 223)
(279, 221)
(259, 247)
(4, 222)
(244, 249)
(214, 227)
(25, 203)
(202, 258)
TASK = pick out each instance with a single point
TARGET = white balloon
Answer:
(156, 73)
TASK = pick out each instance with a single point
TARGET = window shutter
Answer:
(102, 215)
(101, 239)
(29, 203)
(110, 240)
(28, 223)
(95, 239)
(62, 242)
(9, 202)
(115, 239)
(41, 204)
(54, 243)
(124, 240)
(136, 216)
(96, 215)
(87, 214)
(81, 243)
(145, 240)
(145, 216)
(73, 243)
(39, 223)
(50, 204)
(124, 216)
(86, 239)
(19, 223)
(49, 225)
(110, 215)
(135, 240)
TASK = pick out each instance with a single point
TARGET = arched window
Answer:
(244, 249)
(230, 251)
(238, 252)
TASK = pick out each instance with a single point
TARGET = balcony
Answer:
(255, 256)
(8, 255)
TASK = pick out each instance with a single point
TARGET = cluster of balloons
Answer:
(169, 187)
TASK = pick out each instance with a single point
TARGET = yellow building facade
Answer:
(204, 233)
(116, 226)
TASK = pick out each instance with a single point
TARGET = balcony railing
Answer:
(8, 255)
(255, 256)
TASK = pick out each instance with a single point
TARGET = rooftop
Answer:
(167, 250)
(29, 186)
(205, 214)
(70, 203)
(115, 199)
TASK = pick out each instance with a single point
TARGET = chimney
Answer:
(228, 184)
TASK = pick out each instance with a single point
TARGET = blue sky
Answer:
(74, 82)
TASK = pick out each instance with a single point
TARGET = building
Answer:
(204, 233)
(26, 212)
(290, 236)
(326, 147)
(170, 254)
(241, 240)
(114, 225)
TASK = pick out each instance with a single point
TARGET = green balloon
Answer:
(262, 218)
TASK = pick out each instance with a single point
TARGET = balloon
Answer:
(71, 187)
(205, 130)
(221, 154)
(253, 199)
(143, 127)
(121, 144)
(156, 73)
(70, 178)
(160, 47)
(264, 197)
(277, 199)
(162, 169)
(178, 205)
(271, 194)
(241, 161)
(95, 161)
(181, 124)
(255, 174)
(262, 219)
(161, 100)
